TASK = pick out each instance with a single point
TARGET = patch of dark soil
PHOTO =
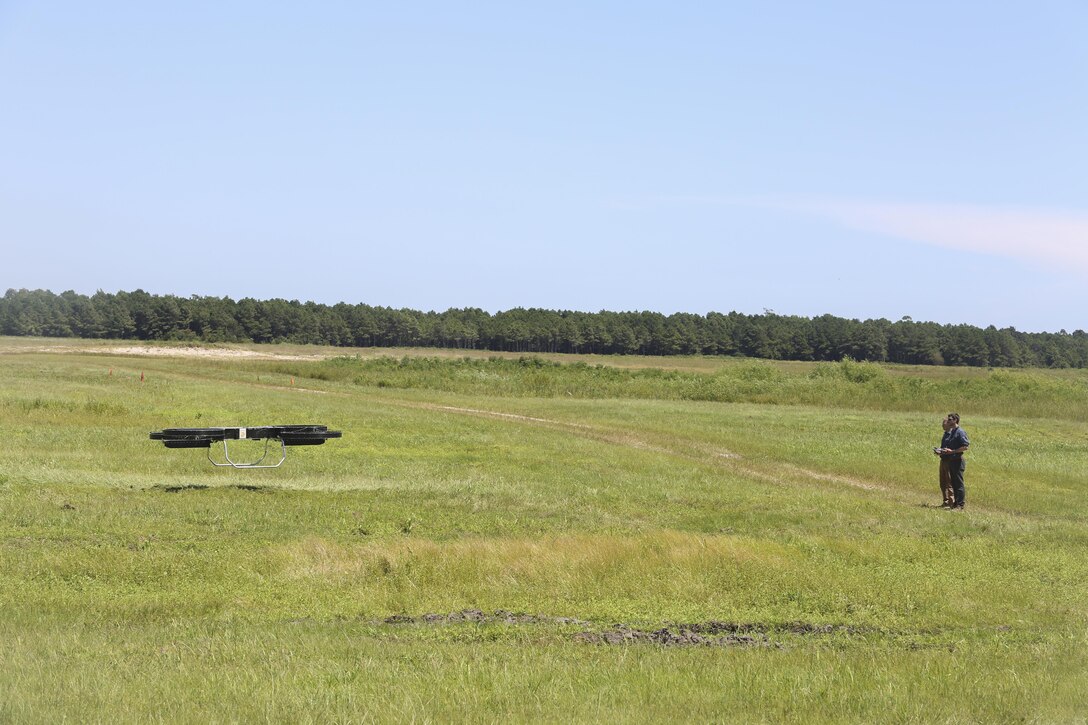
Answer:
(698, 634)
(714, 634)
(500, 616)
(180, 487)
(717, 627)
(673, 637)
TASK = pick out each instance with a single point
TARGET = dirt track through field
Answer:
(706, 454)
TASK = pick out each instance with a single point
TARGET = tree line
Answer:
(139, 315)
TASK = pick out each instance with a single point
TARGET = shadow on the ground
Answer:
(178, 488)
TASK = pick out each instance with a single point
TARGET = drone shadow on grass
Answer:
(179, 488)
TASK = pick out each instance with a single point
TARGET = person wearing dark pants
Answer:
(953, 445)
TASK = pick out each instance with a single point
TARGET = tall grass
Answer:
(847, 384)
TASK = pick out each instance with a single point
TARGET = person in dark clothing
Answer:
(953, 445)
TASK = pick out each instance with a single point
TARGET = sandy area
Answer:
(154, 351)
(214, 352)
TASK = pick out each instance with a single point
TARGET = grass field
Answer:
(545, 539)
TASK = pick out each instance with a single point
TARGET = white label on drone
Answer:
(241, 434)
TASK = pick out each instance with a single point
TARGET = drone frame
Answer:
(287, 435)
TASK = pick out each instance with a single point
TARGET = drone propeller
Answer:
(287, 435)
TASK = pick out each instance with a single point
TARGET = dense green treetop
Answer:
(141, 316)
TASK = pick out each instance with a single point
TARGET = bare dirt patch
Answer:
(699, 634)
(203, 352)
(673, 637)
(23, 346)
(710, 634)
(476, 616)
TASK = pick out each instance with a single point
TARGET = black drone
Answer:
(287, 435)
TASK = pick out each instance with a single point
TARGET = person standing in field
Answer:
(953, 445)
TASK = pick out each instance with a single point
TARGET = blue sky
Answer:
(854, 158)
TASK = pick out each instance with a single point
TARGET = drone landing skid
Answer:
(257, 463)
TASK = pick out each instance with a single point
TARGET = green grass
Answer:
(847, 384)
(141, 583)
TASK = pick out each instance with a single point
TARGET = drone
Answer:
(287, 435)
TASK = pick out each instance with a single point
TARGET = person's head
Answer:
(952, 420)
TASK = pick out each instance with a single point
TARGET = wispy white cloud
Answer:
(1046, 237)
